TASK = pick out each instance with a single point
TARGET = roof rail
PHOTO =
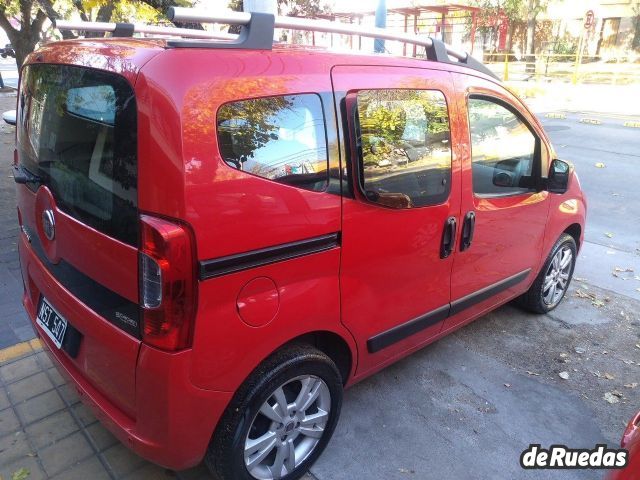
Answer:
(258, 34)
(258, 29)
(128, 29)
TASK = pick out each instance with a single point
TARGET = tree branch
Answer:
(5, 24)
(25, 11)
(80, 7)
(36, 25)
(47, 5)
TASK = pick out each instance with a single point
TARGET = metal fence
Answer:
(622, 70)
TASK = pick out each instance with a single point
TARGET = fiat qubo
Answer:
(218, 237)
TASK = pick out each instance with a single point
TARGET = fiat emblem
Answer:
(48, 224)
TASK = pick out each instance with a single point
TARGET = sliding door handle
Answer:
(468, 227)
(448, 237)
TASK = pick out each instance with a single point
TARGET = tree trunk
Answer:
(22, 47)
(104, 15)
(531, 33)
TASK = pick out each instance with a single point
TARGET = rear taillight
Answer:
(167, 277)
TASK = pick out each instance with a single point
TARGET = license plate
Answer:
(53, 324)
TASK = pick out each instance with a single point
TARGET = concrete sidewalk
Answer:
(621, 100)
(46, 432)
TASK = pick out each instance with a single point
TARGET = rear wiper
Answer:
(22, 175)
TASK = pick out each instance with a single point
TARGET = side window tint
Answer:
(503, 150)
(405, 149)
(277, 138)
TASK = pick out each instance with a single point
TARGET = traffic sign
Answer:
(588, 19)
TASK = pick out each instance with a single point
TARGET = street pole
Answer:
(381, 22)
(588, 23)
(574, 79)
(264, 6)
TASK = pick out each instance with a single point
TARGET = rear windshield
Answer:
(77, 132)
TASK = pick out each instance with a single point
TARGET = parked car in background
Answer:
(216, 240)
(7, 51)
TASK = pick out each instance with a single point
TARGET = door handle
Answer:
(468, 227)
(448, 237)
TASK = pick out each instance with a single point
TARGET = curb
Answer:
(19, 350)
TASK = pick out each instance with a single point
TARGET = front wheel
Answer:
(280, 420)
(552, 283)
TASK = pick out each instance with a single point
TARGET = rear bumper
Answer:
(175, 421)
(170, 421)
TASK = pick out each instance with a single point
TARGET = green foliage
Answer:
(516, 11)
(21, 474)
(565, 46)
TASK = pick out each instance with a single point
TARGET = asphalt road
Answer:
(9, 72)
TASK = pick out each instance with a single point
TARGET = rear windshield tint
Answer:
(77, 131)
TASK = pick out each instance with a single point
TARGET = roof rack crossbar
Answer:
(258, 30)
(128, 29)
(435, 49)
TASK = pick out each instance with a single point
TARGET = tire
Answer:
(283, 375)
(538, 298)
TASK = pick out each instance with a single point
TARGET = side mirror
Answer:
(10, 117)
(558, 181)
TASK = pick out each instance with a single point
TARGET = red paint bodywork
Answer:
(631, 442)
(165, 406)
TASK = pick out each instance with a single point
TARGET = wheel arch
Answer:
(575, 230)
(331, 344)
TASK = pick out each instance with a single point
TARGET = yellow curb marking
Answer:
(19, 350)
(632, 124)
(592, 121)
(561, 116)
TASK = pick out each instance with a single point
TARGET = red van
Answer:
(218, 237)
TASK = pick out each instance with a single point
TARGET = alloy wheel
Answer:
(287, 428)
(556, 279)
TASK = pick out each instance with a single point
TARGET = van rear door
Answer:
(76, 169)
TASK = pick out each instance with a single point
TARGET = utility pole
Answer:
(381, 22)
(263, 6)
(532, 13)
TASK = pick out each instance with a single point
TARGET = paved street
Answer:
(9, 72)
(464, 407)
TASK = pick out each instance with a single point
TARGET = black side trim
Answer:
(476, 297)
(117, 310)
(402, 331)
(124, 30)
(265, 256)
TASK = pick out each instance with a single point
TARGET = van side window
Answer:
(503, 150)
(404, 144)
(278, 138)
